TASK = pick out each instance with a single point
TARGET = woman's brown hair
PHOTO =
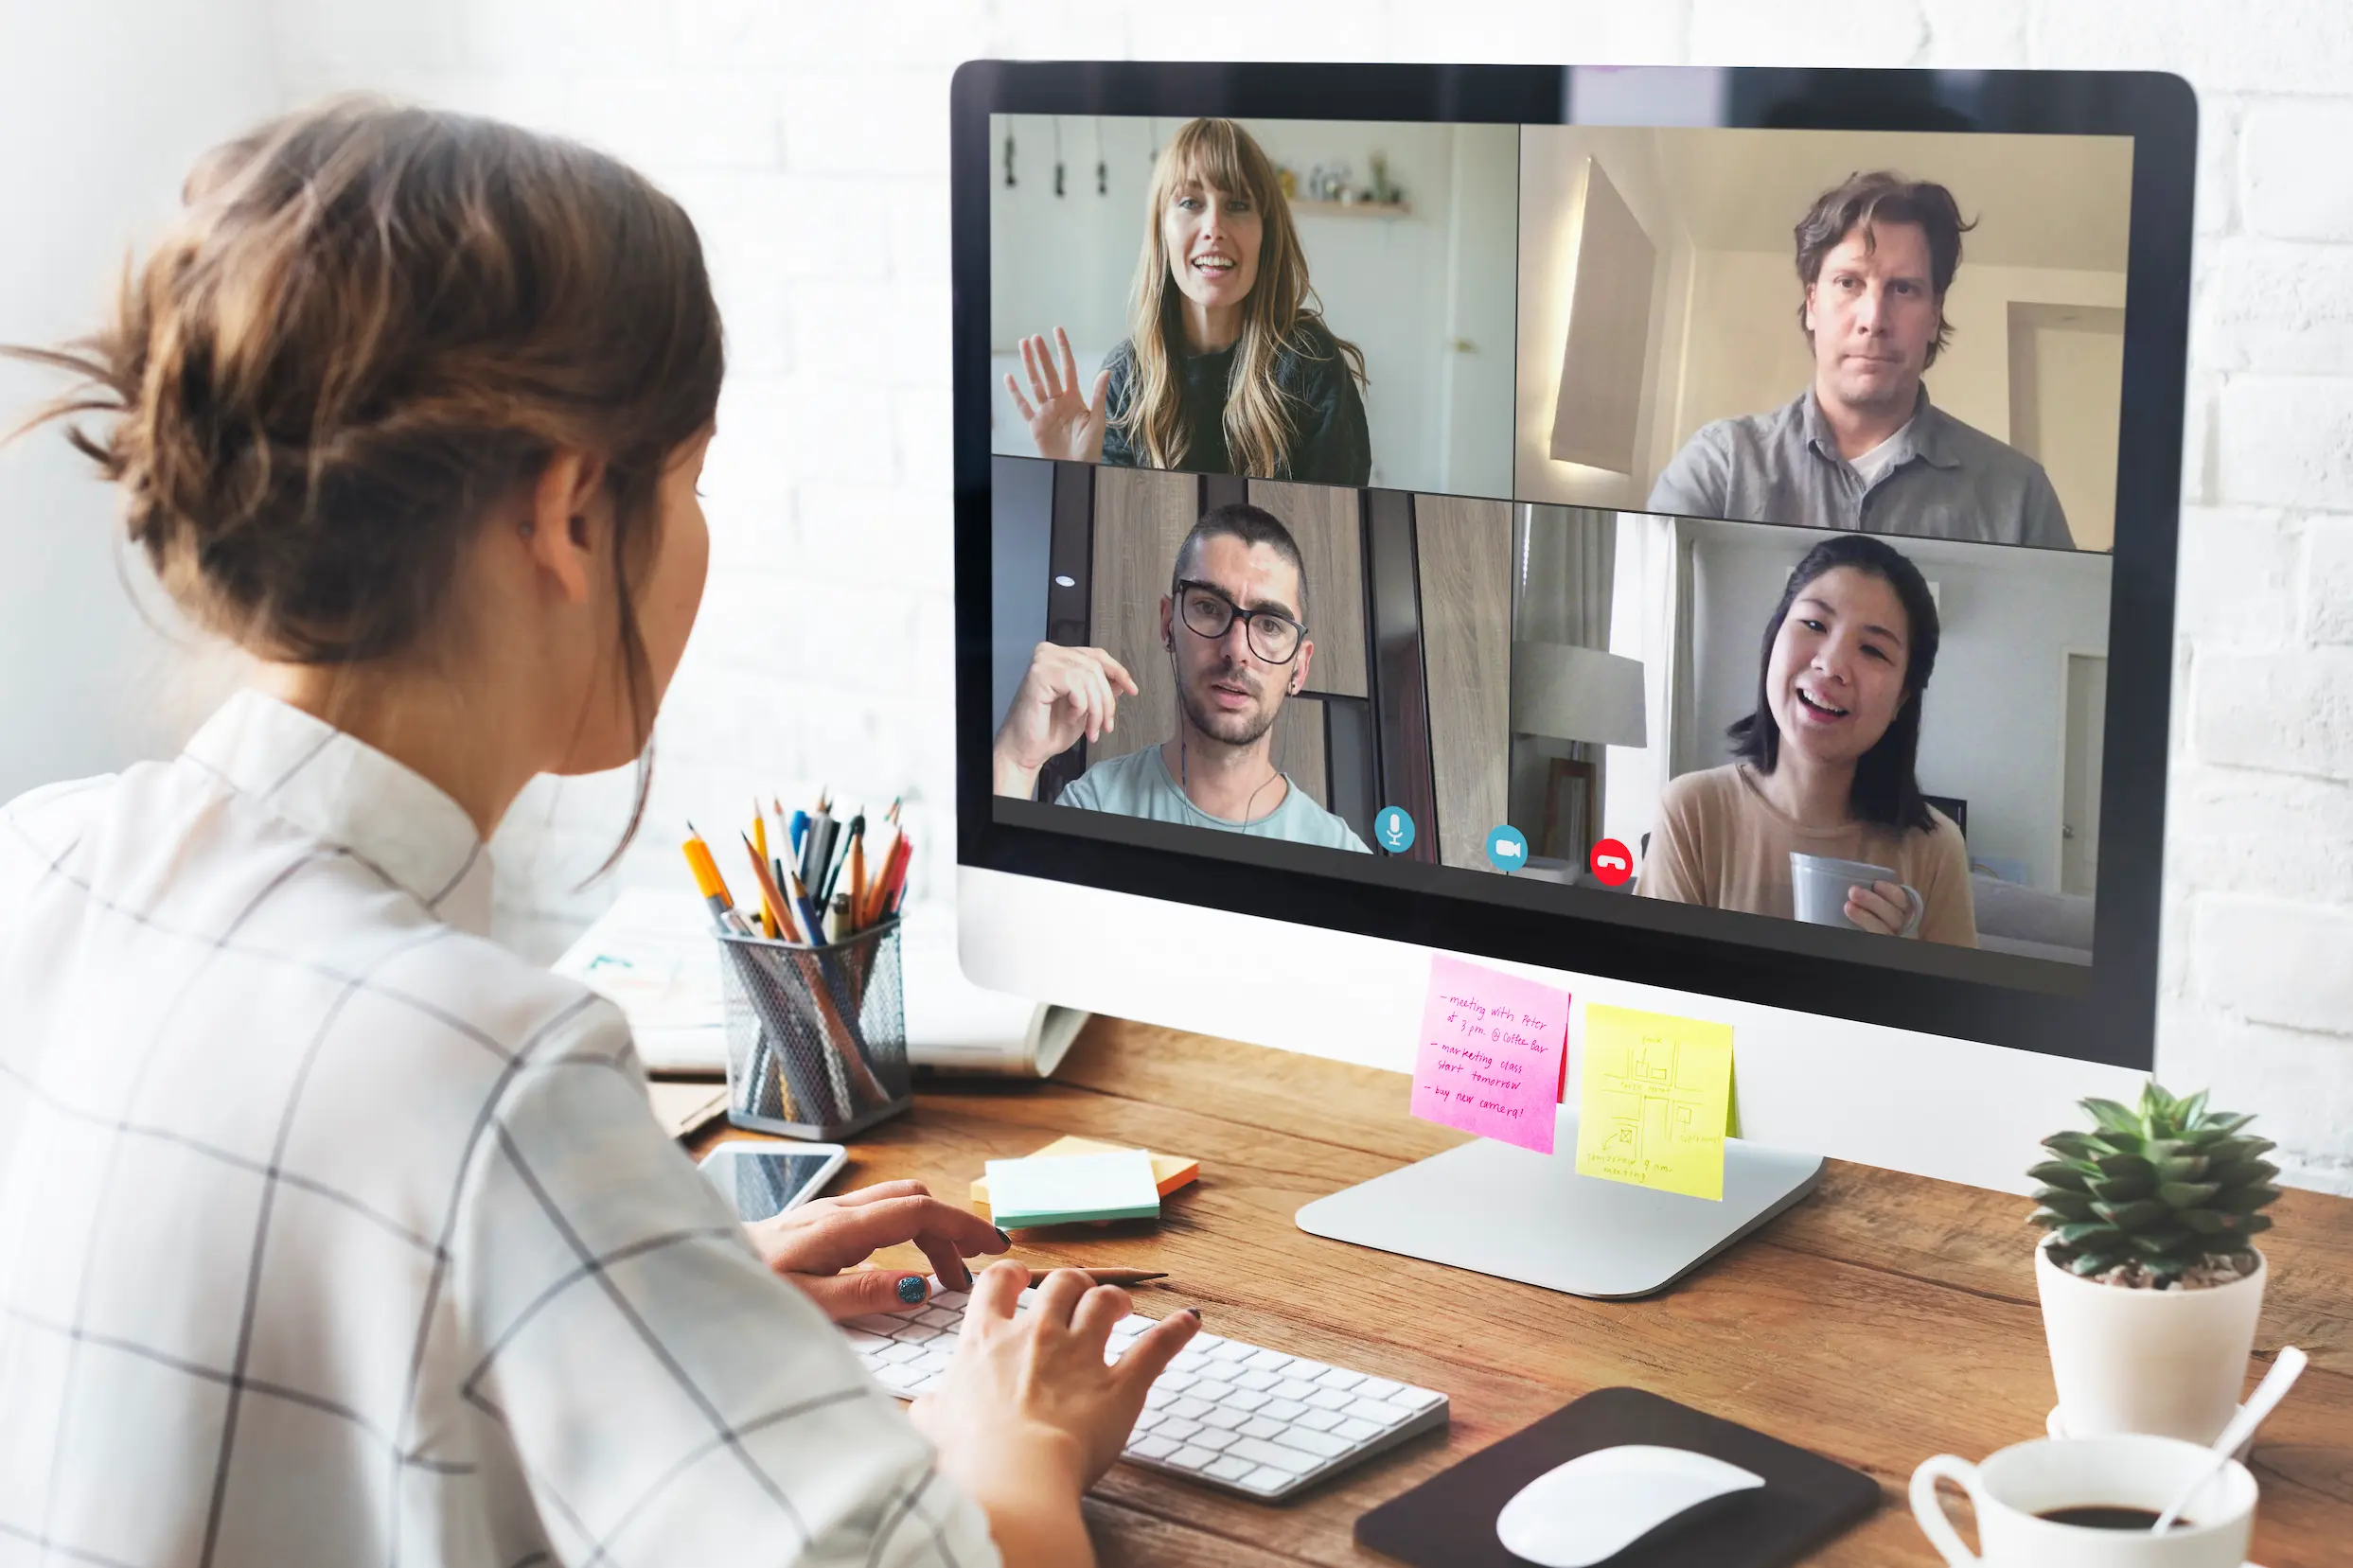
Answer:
(369, 324)
(1279, 307)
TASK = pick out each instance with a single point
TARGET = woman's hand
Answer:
(1063, 423)
(822, 1246)
(1028, 1417)
(1881, 907)
(1068, 692)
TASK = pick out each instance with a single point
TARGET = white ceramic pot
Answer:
(2168, 1363)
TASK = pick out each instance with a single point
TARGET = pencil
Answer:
(1101, 1276)
(771, 919)
(773, 898)
(712, 886)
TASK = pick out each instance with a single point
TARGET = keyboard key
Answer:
(1213, 1388)
(901, 1379)
(1178, 1428)
(1159, 1396)
(951, 1300)
(1269, 1360)
(1146, 1421)
(885, 1324)
(895, 1352)
(1416, 1399)
(915, 1333)
(1374, 1410)
(862, 1342)
(1329, 1398)
(1153, 1448)
(1246, 1403)
(940, 1318)
(1260, 1452)
(1133, 1323)
(1340, 1378)
(1290, 1387)
(1174, 1381)
(1190, 1360)
(1191, 1457)
(1379, 1388)
(927, 1383)
(1228, 1467)
(1258, 1426)
(933, 1359)
(1265, 1479)
(1256, 1382)
(1356, 1431)
(1205, 1342)
(1228, 1352)
(1211, 1439)
(1190, 1408)
(1317, 1420)
(1225, 1418)
(1284, 1410)
(1321, 1444)
(1305, 1370)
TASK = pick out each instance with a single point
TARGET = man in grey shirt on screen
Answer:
(1863, 448)
(1233, 625)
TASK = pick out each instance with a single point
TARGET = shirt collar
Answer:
(342, 791)
(1923, 437)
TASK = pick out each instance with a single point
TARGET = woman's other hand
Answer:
(822, 1246)
(1881, 907)
(1063, 423)
(1028, 1417)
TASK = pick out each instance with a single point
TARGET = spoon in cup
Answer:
(2285, 1370)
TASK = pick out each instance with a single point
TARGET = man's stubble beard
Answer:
(1211, 723)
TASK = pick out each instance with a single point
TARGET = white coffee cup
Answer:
(2010, 1489)
(1819, 884)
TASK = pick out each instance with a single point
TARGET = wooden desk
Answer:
(1884, 1319)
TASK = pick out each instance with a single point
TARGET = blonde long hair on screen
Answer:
(1276, 314)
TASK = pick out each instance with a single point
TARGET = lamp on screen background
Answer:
(1565, 692)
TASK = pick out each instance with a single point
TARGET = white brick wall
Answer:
(810, 142)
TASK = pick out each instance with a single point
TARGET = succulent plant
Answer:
(2167, 1188)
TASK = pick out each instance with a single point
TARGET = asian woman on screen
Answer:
(1227, 366)
(1825, 762)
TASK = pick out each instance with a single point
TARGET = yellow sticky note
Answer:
(1654, 1101)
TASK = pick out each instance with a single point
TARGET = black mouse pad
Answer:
(1449, 1520)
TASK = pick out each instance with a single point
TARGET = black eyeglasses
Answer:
(1207, 613)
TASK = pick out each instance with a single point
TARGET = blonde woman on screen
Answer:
(1228, 367)
(341, 1231)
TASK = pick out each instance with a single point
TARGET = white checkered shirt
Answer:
(331, 1233)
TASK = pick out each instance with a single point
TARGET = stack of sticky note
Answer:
(1078, 1179)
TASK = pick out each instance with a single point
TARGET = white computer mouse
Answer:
(1598, 1503)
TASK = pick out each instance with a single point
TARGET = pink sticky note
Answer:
(1491, 1050)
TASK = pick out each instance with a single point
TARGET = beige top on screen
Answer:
(1719, 842)
(332, 1233)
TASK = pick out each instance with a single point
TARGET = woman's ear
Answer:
(555, 528)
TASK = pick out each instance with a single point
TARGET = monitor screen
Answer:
(1636, 541)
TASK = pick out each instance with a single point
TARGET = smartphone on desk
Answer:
(763, 1180)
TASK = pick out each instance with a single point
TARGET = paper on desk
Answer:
(1654, 1101)
(653, 955)
(1060, 1188)
(1491, 1053)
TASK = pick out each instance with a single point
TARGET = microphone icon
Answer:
(1394, 829)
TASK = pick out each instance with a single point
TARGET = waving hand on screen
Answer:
(1063, 423)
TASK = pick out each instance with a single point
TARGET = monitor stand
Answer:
(1496, 1208)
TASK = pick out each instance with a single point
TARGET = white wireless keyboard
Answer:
(1233, 1416)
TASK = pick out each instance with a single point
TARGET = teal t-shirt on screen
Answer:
(1138, 784)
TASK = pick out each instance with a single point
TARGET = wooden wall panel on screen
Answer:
(1609, 321)
(1326, 520)
(1297, 749)
(1465, 553)
(1142, 515)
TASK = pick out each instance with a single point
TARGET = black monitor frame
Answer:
(2112, 1021)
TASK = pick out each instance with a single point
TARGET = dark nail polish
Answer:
(1002, 1237)
(1195, 1312)
(911, 1288)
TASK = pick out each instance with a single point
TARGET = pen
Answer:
(833, 872)
(838, 918)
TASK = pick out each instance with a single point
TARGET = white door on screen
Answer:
(2078, 810)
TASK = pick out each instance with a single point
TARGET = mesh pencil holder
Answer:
(816, 1036)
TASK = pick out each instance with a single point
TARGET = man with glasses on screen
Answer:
(1233, 628)
(1863, 448)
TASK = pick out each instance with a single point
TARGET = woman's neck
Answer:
(1228, 781)
(458, 740)
(1208, 330)
(1814, 795)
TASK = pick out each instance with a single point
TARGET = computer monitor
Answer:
(1704, 536)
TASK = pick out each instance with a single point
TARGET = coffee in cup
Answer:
(1818, 885)
(2089, 1503)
